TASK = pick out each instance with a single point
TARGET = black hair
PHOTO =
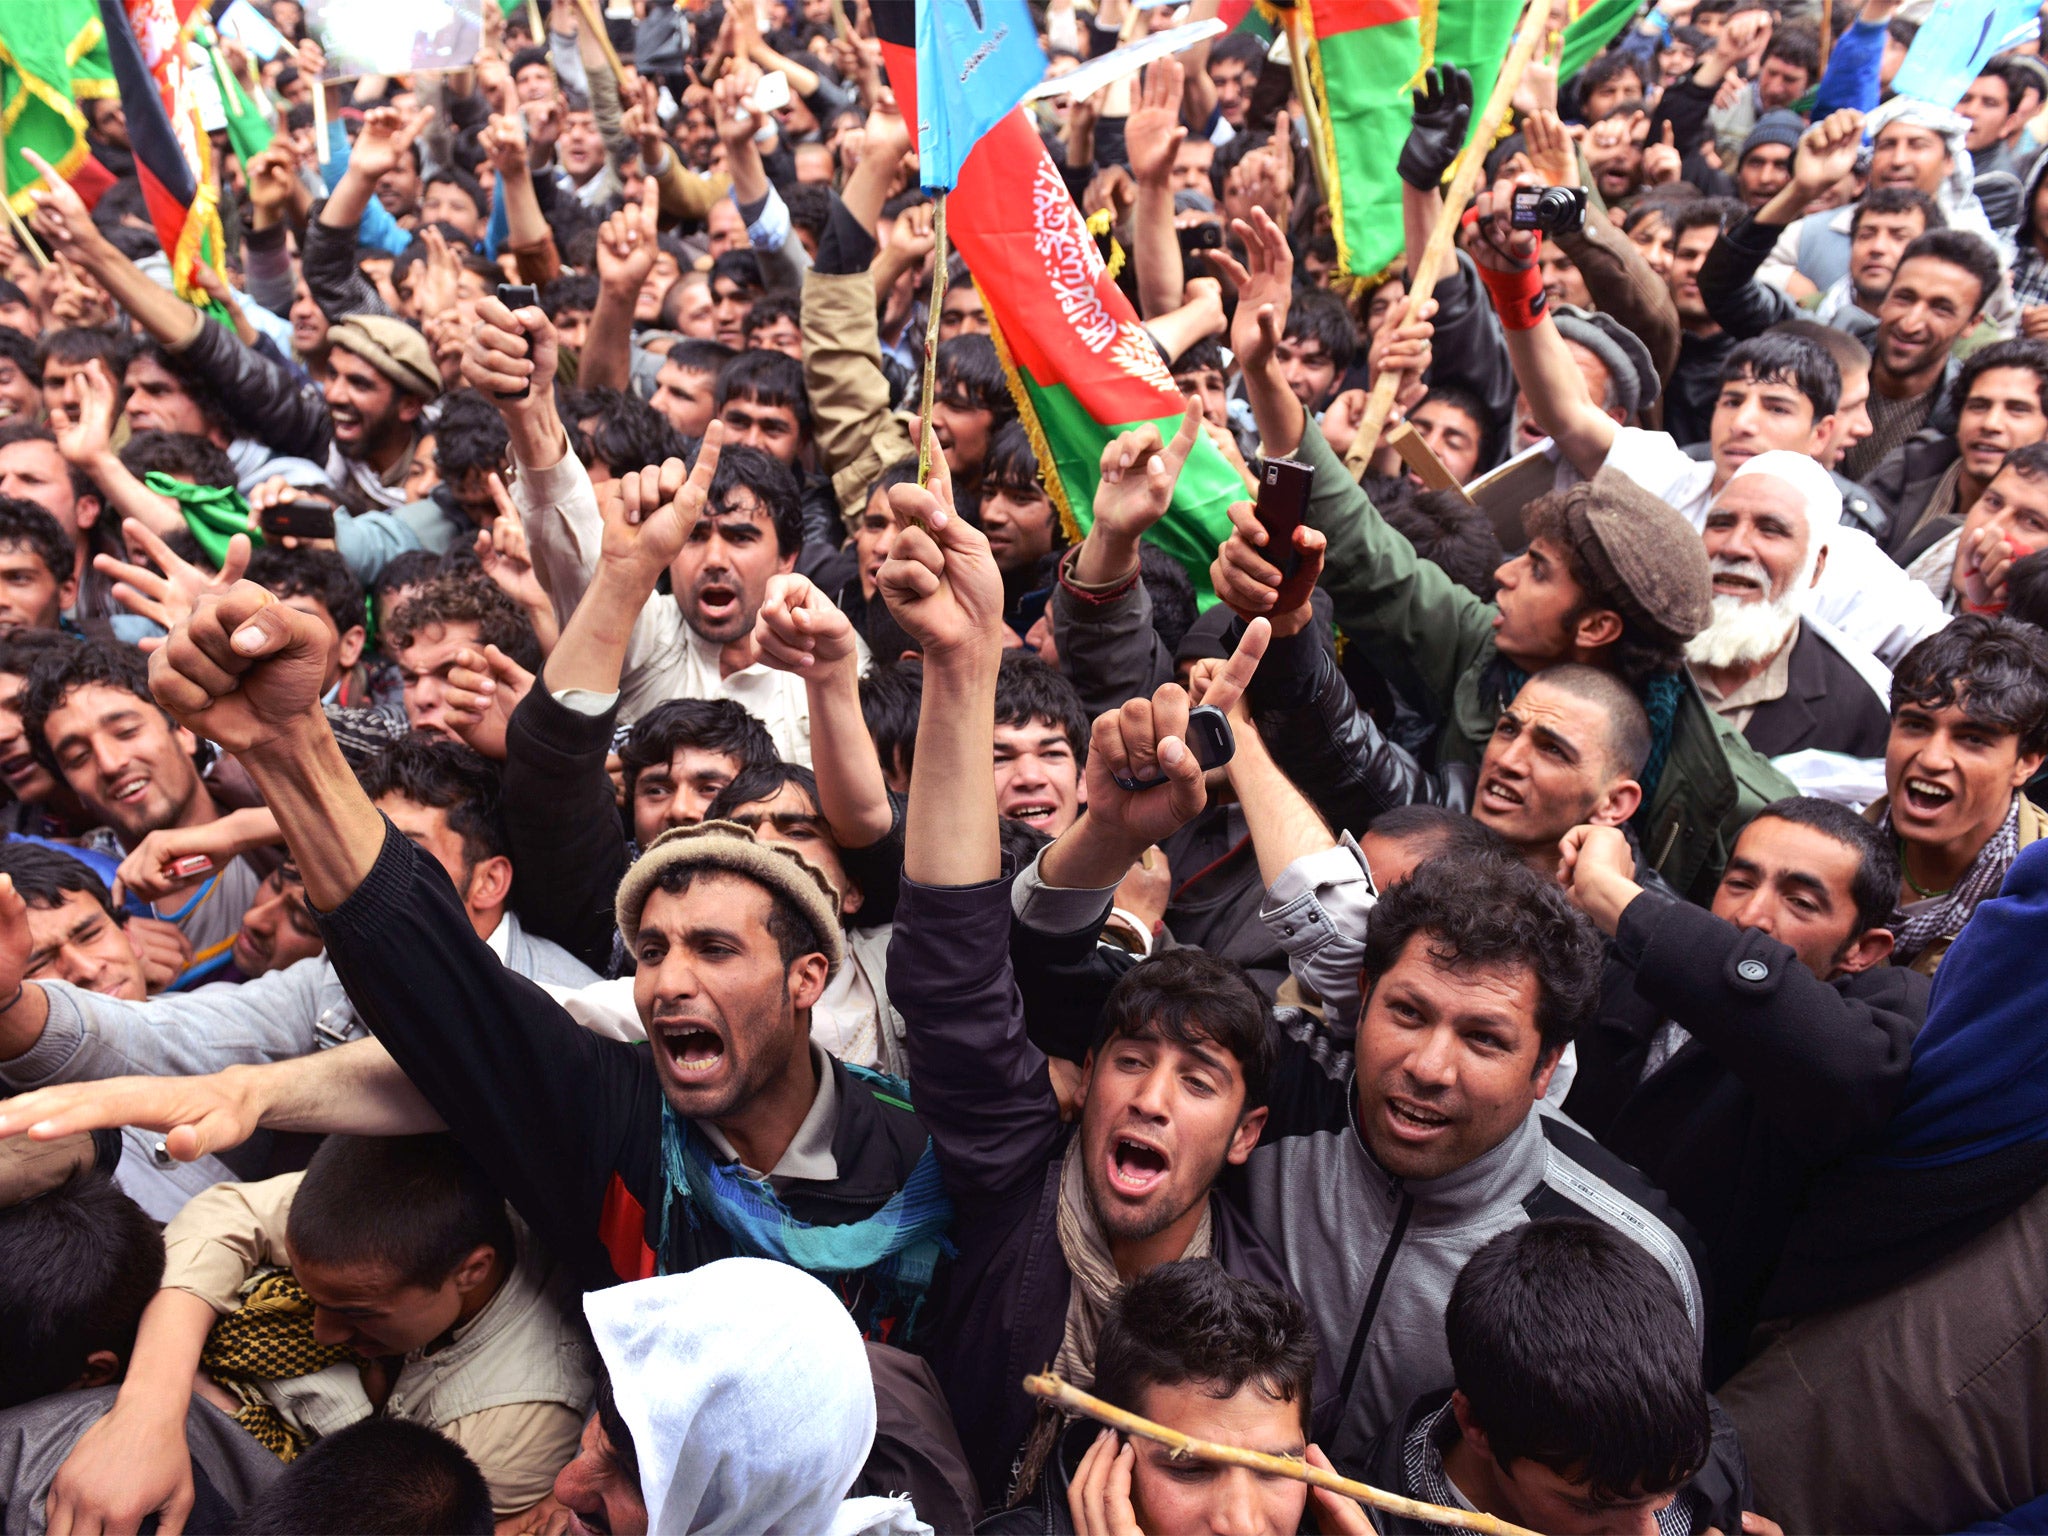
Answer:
(1778, 358)
(766, 377)
(1703, 213)
(1797, 46)
(1898, 200)
(1493, 910)
(445, 776)
(1012, 464)
(122, 201)
(529, 56)
(415, 1206)
(469, 434)
(1204, 355)
(572, 290)
(89, 663)
(693, 354)
(1959, 248)
(43, 876)
(891, 701)
(21, 649)
(630, 434)
(1605, 67)
(1441, 829)
(2026, 590)
(1875, 886)
(968, 366)
(1993, 668)
(780, 304)
(1192, 1323)
(810, 206)
(462, 181)
(1028, 689)
(2015, 78)
(1320, 315)
(77, 1266)
(378, 1477)
(1902, 31)
(196, 386)
(709, 725)
(181, 455)
(740, 267)
(25, 525)
(773, 483)
(1628, 723)
(1243, 47)
(1850, 355)
(467, 597)
(76, 345)
(1451, 532)
(1173, 595)
(763, 781)
(2019, 352)
(320, 574)
(1573, 1349)
(1186, 996)
(1463, 397)
(17, 348)
(413, 568)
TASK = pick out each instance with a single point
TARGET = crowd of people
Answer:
(584, 947)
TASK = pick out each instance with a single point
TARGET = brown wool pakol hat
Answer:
(726, 845)
(1643, 554)
(393, 348)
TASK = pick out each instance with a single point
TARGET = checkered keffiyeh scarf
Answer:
(268, 1338)
(1943, 917)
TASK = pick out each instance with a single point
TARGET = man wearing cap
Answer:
(1787, 683)
(726, 1132)
(1612, 359)
(381, 375)
(1777, 391)
(1765, 164)
(1612, 579)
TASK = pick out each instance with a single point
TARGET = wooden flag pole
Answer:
(936, 304)
(1436, 255)
(1297, 62)
(1056, 1391)
(1420, 457)
(594, 19)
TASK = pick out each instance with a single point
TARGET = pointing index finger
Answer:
(1236, 675)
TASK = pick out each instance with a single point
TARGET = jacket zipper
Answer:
(1372, 1300)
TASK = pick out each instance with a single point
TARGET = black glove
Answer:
(1443, 113)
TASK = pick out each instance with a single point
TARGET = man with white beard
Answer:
(1789, 682)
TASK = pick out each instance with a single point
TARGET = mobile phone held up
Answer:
(1282, 504)
(304, 517)
(1209, 737)
(515, 297)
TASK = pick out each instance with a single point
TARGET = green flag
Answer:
(248, 130)
(51, 51)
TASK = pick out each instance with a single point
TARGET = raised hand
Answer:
(1827, 151)
(1662, 164)
(61, 220)
(1550, 149)
(940, 581)
(1099, 1497)
(1139, 474)
(501, 550)
(272, 174)
(15, 947)
(484, 687)
(1403, 342)
(201, 1114)
(88, 431)
(169, 594)
(387, 135)
(1597, 868)
(244, 670)
(649, 513)
(1265, 288)
(1443, 116)
(1153, 132)
(729, 110)
(163, 949)
(1499, 244)
(799, 629)
(503, 141)
(626, 241)
(146, 872)
(642, 124)
(508, 352)
(1250, 585)
(1146, 741)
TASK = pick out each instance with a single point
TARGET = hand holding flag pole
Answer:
(1464, 182)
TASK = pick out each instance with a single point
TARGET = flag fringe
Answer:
(1425, 27)
(1034, 429)
(33, 88)
(1304, 37)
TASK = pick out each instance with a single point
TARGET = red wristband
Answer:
(1518, 297)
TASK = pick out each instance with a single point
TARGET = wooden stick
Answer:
(1827, 31)
(1074, 1400)
(1420, 457)
(931, 339)
(1437, 253)
(841, 27)
(14, 219)
(320, 147)
(594, 19)
(1297, 62)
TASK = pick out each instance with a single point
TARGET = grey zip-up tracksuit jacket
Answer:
(1375, 1257)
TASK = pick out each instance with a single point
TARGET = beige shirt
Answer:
(809, 1153)
(1769, 685)
(225, 1234)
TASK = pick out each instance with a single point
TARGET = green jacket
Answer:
(1434, 639)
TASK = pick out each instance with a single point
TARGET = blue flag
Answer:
(1954, 42)
(975, 61)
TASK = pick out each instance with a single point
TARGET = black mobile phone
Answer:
(303, 518)
(517, 296)
(1197, 238)
(1282, 504)
(1208, 736)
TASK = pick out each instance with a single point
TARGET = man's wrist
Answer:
(1105, 558)
(293, 749)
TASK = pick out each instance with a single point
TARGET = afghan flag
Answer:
(1593, 25)
(173, 156)
(52, 54)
